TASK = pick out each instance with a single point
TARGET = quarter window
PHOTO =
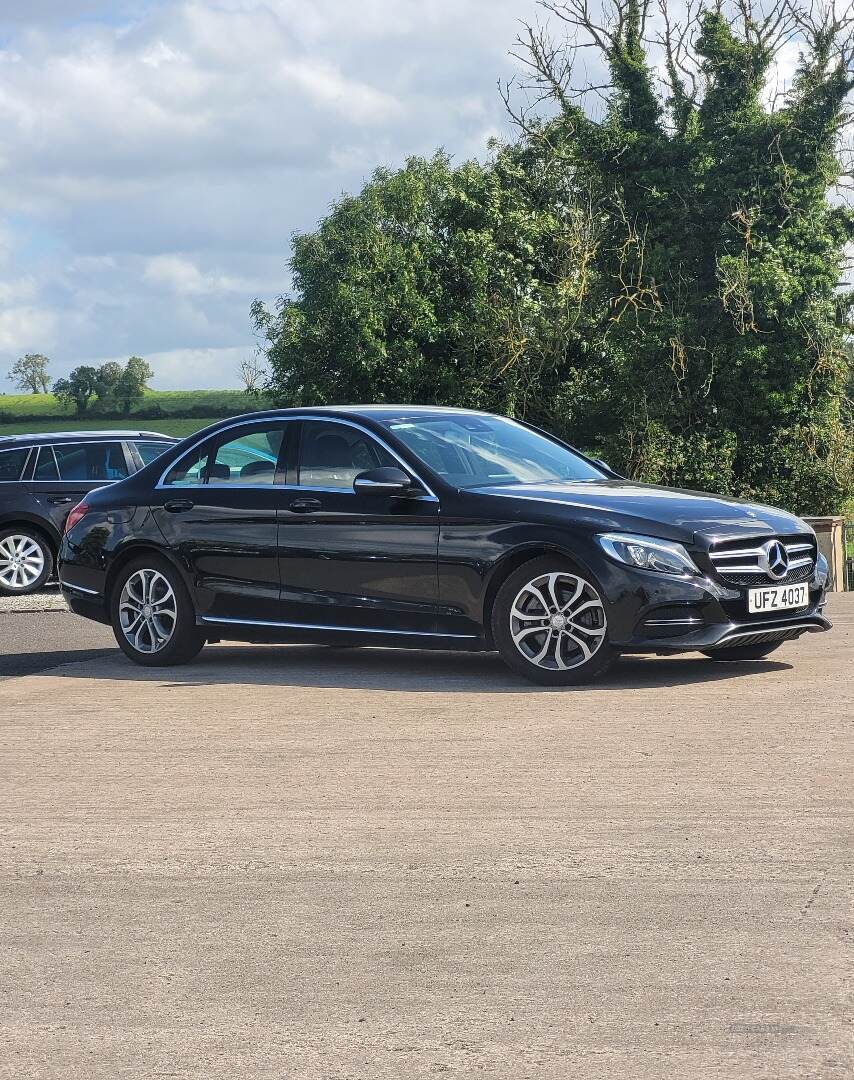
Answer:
(12, 463)
(332, 455)
(148, 451)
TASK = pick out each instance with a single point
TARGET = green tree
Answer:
(107, 382)
(654, 277)
(30, 373)
(78, 389)
(133, 383)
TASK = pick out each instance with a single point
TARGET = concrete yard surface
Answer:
(318, 863)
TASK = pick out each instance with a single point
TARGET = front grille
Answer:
(803, 573)
(747, 565)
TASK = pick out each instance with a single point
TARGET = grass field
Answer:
(164, 425)
(178, 402)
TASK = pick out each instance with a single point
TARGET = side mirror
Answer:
(386, 481)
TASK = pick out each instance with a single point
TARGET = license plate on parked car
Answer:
(777, 598)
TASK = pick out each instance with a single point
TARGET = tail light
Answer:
(77, 512)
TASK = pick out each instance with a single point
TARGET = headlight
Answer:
(822, 570)
(649, 553)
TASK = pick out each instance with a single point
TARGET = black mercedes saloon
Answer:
(430, 528)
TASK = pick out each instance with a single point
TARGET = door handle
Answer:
(304, 506)
(59, 500)
(178, 506)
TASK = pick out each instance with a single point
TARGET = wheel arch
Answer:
(34, 524)
(132, 550)
(511, 562)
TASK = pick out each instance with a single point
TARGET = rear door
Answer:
(216, 507)
(65, 472)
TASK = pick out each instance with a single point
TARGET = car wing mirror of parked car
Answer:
(387, 481)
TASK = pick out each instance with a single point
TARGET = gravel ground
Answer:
(300, 862)
(49, 599)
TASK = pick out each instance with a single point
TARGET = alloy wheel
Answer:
(557, 621)
(148, 611)
(21, 561)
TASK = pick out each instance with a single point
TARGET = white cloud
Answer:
(158, 154)
(26, 324)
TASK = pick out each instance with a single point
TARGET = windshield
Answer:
(472, 451)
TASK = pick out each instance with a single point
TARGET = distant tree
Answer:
(252, 374)
(133, 383)
(30, 373)
(78, 389)
(107, 383)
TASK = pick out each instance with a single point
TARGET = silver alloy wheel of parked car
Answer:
(148, 611)
(557, 621)
(22, 562)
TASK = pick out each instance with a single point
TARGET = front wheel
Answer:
(549, 624)
(152, 614)
(743, 652)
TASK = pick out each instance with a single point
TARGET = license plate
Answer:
(777, 598)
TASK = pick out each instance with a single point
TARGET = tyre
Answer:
(152, 614)
(26, 561)
(743, 652)
(549, 624)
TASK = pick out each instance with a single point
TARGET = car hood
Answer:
(694, 514)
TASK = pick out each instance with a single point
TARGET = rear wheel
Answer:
(26, 561)
(152, 614)
(743, 652)
(549, 624)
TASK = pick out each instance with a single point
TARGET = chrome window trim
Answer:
(322, 626)
(161, 486)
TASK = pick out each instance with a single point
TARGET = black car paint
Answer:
(419, 570)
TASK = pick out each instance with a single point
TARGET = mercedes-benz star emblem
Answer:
(774, 560)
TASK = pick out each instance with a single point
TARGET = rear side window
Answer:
(246, 460)
(82, 462)
(249, 460)
(12, 463)
(148, 451)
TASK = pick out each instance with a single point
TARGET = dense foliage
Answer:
(658, 283)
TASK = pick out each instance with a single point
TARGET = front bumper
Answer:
(723, 635)
(649, 612)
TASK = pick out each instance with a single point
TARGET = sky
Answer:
(157, 155)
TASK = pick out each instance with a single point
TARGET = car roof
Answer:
(368, 412)
(76, 436)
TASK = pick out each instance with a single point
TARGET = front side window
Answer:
(12, 463)
(245, 460)
(332, 455)
(472, 451)
(82, 462)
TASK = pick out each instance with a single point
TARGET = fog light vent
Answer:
(671, 621)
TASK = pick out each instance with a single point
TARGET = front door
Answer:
(353, 561)
(217, 509)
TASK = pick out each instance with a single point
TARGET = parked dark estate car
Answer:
(42, 477)
(431, 528)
